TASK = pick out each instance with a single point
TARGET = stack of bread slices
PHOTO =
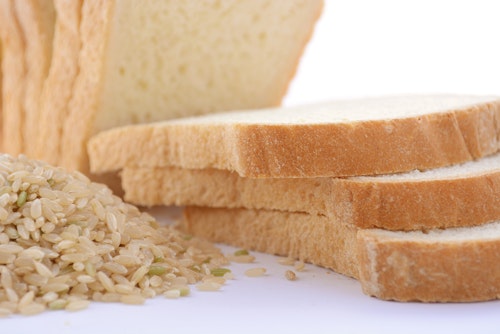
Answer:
(71, 69)
(399, 192)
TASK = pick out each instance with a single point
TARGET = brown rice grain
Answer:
(290, 275)
(124, 289)
(208, 286)
(110, 297)
(241, 258)
(133, 299)
(255, 272)
(106, 282)
(299, 266)
(32, 309)
(172, 294)
(57, 304)
(43, 270)
(148, 292)
(77, 305)
(4, 312)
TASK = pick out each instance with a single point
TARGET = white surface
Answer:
(361, 48)
(319, 301)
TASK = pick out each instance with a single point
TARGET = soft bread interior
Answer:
(168, 59)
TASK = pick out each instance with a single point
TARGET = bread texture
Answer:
(450, 265)
(13, 75)
(459, 195)
(167, 59)
(342, 138)
(310, 238)
(58, 86)
(36, 20)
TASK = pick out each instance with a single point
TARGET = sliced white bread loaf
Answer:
(167, 59)
(36, 20)
(58, 86)
(342, 138)
(461, 195)
(13, 76)
(450, 265)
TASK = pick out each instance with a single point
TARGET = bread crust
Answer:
(36, 20)
(86, 103)
(394, 204)
(400, 266)
(58, 87)
(313, 239)
(416, 270)
(13, 71)
(95, 18)
(315, 150)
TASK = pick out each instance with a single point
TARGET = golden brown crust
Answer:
(409, 270)
(319, 150)
(401, 267)
(406, 204)
(309, 238)
(367, 148)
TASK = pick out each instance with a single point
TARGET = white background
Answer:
(360, 48)
(365, 48)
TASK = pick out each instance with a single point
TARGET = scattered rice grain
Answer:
(241, 258)
(290, 275)
(255, 272)
(299, 266)
(286, 261)
(208, 286)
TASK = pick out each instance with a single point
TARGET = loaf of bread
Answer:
(115, 62)
(459, 195)
(167, 59)
(450, 265)
(341, 138)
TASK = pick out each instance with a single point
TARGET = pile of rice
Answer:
(65, 240)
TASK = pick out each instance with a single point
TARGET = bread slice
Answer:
(310, 238)
(460, 195)
(343, 138)
(36, 20)
(450, 265)
(13, 72)
(167, 59)
(58, 86)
